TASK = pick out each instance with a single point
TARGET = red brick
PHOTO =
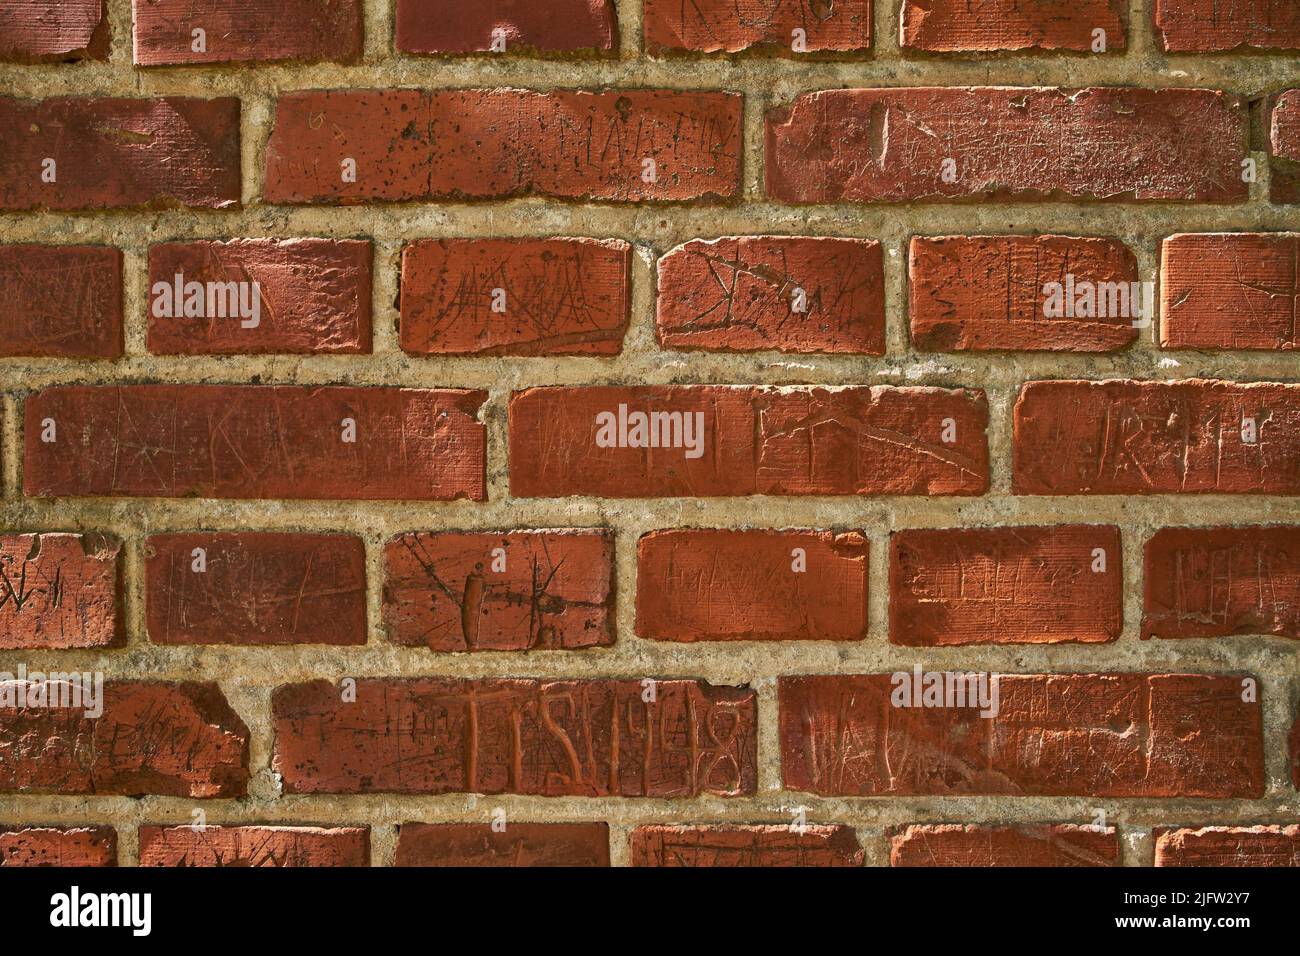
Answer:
(59, 591)
(1126, 437)
(503, 143)
(58, 846)
(248, 441)
(746, 846)
(1229, 291)
(519, 845)
(500, 591)
(171, 739)
(60, 301)
(276, 846)
(992, 293)
(109, 153)
(452, 26)
(1206, 26)
(1098, 735)
(562, 296)
(1033, 844)
(247, 30)
(1284, 138)
(756, 440)
(260, 589)
(964, 586)
(44, 31)
(790, 294)
(546, 738)
(314, 297)
(957, 26)
(730, 26)
(742, 586)
(1228, 846)
(1212, 582)
(1007, 143)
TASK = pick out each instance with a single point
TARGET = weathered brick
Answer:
(60, 301)
(1127, 437)
(730, 26)
(299, 296)
(1207, 26)
(1294, 746)
(246, 30)
(515, 296)
(255, 588)
(109, 153)
(59, 591)
(1049, 585)
(519, 845)
(41, 31)
(696, 585)
(746, 846)
(1228, 846)
(1229, 291)
(1098, 735)
(1284, 142)
(58, 846)
(171, 739)
(545, 738)
(960, 26)
(748, 440)
(451, 26)
(248, 441)
(1212, 582)
(275, 846)
(790, 294)
(1024, 293)
(498, 144)
(1006, 142)
(1032, 844)
(503, 591)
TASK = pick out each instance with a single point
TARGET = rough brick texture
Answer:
(246, 30)
(275, 846)
(1207, 26)
(1229, 846)
(1229, 291)
(87, 153)
(300, 296)
(1045, 585)
(515, 297)
(757, 293)
(1212, 582)
(171, 739)
(1023, 294)
(546, 738)
(1148, 735)
(512, 591)
(1031, 143)
(255, 588)
(40, 31)
(245, 441)
(959, 26)
(60, 301)
(950, 844)
(751, 585)
(59, 591)
(718, 440)
(746, 846)
(730, 26)
(505, 26)
(58, 846)
(494, 144)
(518, 845)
